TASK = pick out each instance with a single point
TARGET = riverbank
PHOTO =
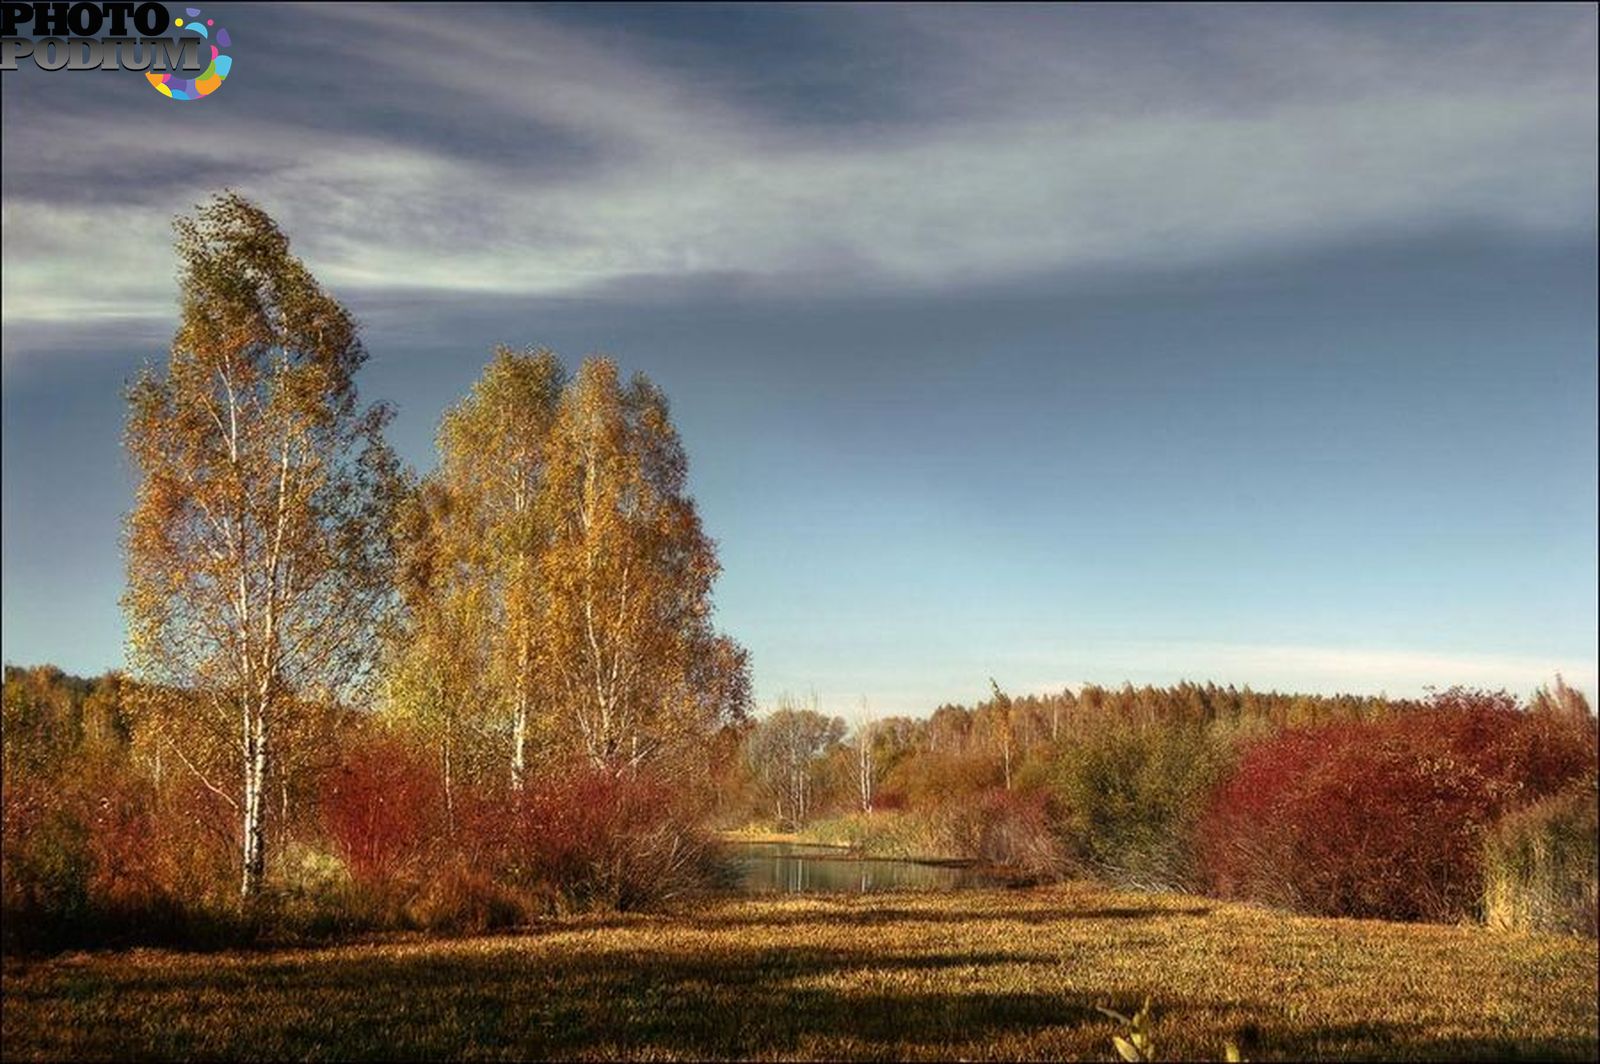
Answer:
(963, 974)
(825, 844)
(887, 835)
(760, 835)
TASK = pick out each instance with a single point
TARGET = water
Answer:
(798, 868)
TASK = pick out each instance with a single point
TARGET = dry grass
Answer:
(755, 833)
(983, 974)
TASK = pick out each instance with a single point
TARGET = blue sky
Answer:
(1090, 343)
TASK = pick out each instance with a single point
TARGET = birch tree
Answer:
(637, 668)
(257, 549)
(493, 450)
(785, 750)
(866, 767)
(438, 675)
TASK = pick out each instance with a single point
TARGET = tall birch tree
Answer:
(438, 680)
(258, 554)
(638, 671)
(866, 761)
(493, 450)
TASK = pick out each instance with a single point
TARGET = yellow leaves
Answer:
(562, 500)
(1135, 1043)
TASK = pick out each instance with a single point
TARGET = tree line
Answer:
(1460, 804)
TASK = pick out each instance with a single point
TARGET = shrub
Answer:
(383, 809)
(1540, 866)
(583, 836)
(1011, 829)
(45, 865)
(1385, 818)
(463, 900)
(1131, 796)
(301, 871)
(85, 861)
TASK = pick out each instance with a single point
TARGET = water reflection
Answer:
(795, 868)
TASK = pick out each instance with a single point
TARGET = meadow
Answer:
(984, 974)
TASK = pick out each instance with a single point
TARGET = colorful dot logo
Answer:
(170, 84)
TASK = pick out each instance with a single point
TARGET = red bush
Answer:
(1385, 818)
(582, 835)
(1012, 829)
(88, 859)
(383, 809)
(889, 801)
(125, 845)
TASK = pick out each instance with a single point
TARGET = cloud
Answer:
(922, 681)
(1017, 144)
(1328, 669)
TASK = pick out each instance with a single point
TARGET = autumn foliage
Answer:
(1386, 818)
(584, 835)
(461, 700)
(383, 809)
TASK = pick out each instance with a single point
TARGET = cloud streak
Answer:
(1018, 147)
(1402, 673)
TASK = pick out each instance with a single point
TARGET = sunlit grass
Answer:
(983, 974)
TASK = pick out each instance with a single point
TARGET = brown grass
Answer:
(981, 974)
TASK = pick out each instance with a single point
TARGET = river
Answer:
(801, 868)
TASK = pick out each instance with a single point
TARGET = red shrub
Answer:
(889, 801)
(584, 836)
(382, 808)
(1012, 829)
(1385, 818)
(126, 846)
(87, 859)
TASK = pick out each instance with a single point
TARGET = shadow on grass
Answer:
(501, 998)
(877, 917)
(1410, 1041)
(496, 998)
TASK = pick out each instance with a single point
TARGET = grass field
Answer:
(982, 974)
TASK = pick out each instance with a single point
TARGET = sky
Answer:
(1253, 344)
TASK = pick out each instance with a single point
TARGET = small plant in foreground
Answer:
(1136, 1045)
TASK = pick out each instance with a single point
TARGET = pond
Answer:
(800, 868)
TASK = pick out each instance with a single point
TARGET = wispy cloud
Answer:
(1327, 668)
(1019, 145)
(918, 685)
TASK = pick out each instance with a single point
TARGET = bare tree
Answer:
(866, 769)
(785, 750)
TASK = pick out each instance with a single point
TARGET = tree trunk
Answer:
(254, 784)
(449, 784)
(519, 733)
